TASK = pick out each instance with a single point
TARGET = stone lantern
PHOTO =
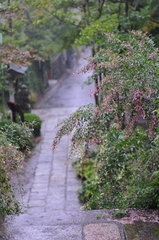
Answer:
(23, 98)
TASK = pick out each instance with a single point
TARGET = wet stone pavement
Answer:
(51, 207)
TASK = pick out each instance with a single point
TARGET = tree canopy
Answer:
(52, 26)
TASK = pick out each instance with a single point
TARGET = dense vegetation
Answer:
(50, 27)
(35, 123)
(118, 159)
(116, 141)
(16, 141)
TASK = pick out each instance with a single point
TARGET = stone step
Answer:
(60, 225)
(75, 225)
(140, 230)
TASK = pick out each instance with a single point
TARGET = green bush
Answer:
(84, 168)
(20, 135)
(34, 121)
(86, 171)
(10, 160)
(4, 121)
(127, 156)
(126, 173)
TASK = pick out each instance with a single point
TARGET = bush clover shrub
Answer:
(34, 121)
(15, 138)
(10, 160)
(127, 155)
(124, 170)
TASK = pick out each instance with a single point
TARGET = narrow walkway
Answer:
(55, 184)
(51, 206)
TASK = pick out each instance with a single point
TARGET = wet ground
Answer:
(72, 91)
(51, 207)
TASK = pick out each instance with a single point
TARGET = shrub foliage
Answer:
(15, 142)
(10, 160)
(34, 121)
(20, 135)
(126, 164)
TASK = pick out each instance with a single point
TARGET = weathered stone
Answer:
(101, 231)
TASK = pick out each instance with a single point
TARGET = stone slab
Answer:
(66, 232)
(147, 230)
(131, 232)
(102, 231)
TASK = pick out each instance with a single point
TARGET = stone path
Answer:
(52, 210)
(55, 184)
(51, 206)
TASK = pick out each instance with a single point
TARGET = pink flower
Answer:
(150, 56)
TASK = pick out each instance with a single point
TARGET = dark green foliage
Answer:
(127, 155)
(124, 173)
(4, 121)
(15, 140)
(154, 185)
(85, 170)
(11, 160)
(20, 135)
(34, 121)
(8, 204)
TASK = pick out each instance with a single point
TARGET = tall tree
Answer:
(50, 26)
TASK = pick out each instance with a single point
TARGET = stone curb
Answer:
(130, 232)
